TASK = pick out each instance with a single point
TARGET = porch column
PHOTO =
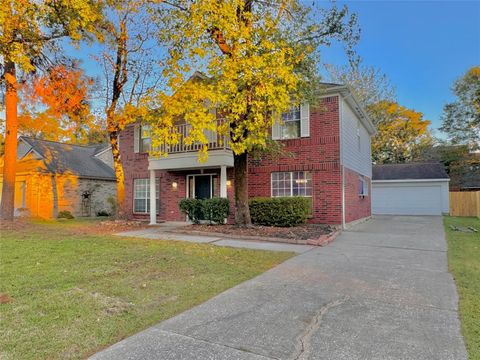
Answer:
(223, 181)
(153, 198)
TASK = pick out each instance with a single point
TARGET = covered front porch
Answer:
(202, 179)
(176, 184)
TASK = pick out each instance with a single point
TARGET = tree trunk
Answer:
(10, 158)
(242, 211)
(117, 166)
(119, 80)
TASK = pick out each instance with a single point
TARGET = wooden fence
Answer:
(465, 203)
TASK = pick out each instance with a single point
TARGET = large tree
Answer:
(258, 58)
(28, 29)
(461, 118)
(130, 62)
(402, 133)
(462, 165)
(55, 105)
(369, 84)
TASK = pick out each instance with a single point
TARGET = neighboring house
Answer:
(410, 189)
(330, 141)
(53, 177)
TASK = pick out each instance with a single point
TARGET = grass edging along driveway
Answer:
(464, 264)
(73, 293)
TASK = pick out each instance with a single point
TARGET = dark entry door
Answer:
(203, 187)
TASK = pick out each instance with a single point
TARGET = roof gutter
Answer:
(410, 180)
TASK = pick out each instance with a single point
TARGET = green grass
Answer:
(74, 294)
(464, 264)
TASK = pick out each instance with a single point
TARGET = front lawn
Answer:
(65, 293)
(464, 264)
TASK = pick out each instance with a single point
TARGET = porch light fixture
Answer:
(174, 185)
(229, 182)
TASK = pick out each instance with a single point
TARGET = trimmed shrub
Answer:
(279, 211)
(65, 214)
(193, 208)
(214, 210)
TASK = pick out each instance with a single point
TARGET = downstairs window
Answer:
(141, 195)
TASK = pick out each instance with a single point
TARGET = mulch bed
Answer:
(302, 232)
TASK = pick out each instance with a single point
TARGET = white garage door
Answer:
(407, 198)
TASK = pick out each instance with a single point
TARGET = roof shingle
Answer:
(75, 159)
(414, 171)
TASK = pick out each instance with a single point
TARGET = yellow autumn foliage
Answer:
(27, 25)
(401, 132)
(250, 69)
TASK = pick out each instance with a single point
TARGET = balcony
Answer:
(182, 156)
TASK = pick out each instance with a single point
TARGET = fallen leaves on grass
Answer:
(5, 298)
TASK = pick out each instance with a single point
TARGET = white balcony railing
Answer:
(216, 141)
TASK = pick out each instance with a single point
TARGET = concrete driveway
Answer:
(380, 291)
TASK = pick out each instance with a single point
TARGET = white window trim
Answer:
(142, 137)
(284, 122)
(192, 196)
(291, 184)
(157, 193)
(304, 123)
(364, 190)
(359, 137)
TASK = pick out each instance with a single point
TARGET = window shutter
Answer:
(305, 120)
(276, 128)
(136, 138)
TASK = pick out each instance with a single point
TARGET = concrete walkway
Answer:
(164, 232)
(380, 291)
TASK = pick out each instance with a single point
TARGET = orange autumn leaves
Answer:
(55, 105)
(402, 133)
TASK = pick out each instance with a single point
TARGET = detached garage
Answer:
(410, 189)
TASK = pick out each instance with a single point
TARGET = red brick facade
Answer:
(135, 166)
(318, 154)
(356, 207)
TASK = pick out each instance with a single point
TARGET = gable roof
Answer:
(69, 158)
(411, 171)
(349, 98)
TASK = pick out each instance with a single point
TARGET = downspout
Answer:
(340, 121)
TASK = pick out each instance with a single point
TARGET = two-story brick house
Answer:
(330, 162)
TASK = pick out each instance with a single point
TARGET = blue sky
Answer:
(422, 46)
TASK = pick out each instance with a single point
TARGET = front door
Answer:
(203, 187)
(200, 186)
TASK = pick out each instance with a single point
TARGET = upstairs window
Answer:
(293, 124)
(145, 139)
(290, 129)
(359, 143)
